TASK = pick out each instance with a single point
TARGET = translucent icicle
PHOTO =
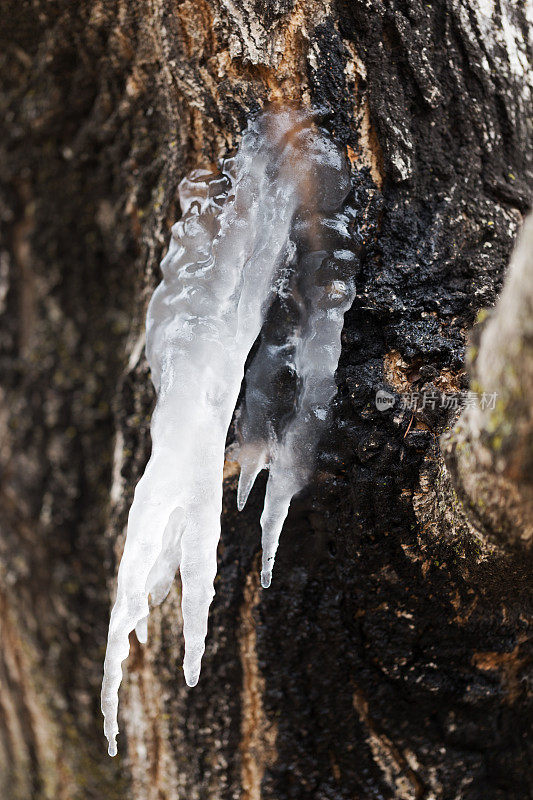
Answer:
(247, 241)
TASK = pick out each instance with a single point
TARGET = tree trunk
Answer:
(390, 656)
(490, 450)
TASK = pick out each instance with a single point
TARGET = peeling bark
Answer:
(392, 655)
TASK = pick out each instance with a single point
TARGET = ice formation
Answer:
(265, 247)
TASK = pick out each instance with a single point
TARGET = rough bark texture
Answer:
(390, 658)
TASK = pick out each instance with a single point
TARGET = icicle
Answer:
(268, 232)
(323, 284)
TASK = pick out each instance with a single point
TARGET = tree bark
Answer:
(391, 656)
(490, 450)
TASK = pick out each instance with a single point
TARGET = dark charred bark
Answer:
(391, 656)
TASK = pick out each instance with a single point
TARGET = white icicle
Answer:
(232, 252)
